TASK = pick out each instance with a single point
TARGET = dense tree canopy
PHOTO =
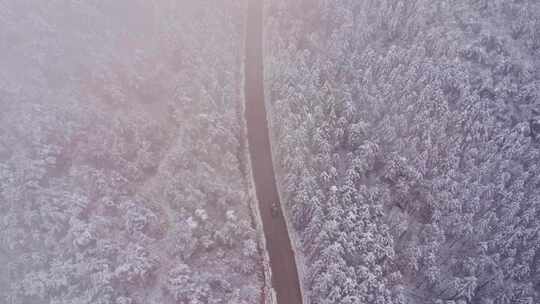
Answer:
(408, 148)
(122, 173)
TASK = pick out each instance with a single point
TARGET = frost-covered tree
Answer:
(408, 126)
(122, 166)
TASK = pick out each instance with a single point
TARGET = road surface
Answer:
(282, 261)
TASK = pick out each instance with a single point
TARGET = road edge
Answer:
(268, 294)
(297, 249)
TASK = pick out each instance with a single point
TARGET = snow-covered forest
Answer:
(122, 154)
(407, 140)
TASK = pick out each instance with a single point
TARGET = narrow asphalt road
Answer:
(282, 261)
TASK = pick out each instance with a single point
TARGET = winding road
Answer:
(282, 259)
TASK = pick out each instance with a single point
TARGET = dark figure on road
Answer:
(274, 209)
